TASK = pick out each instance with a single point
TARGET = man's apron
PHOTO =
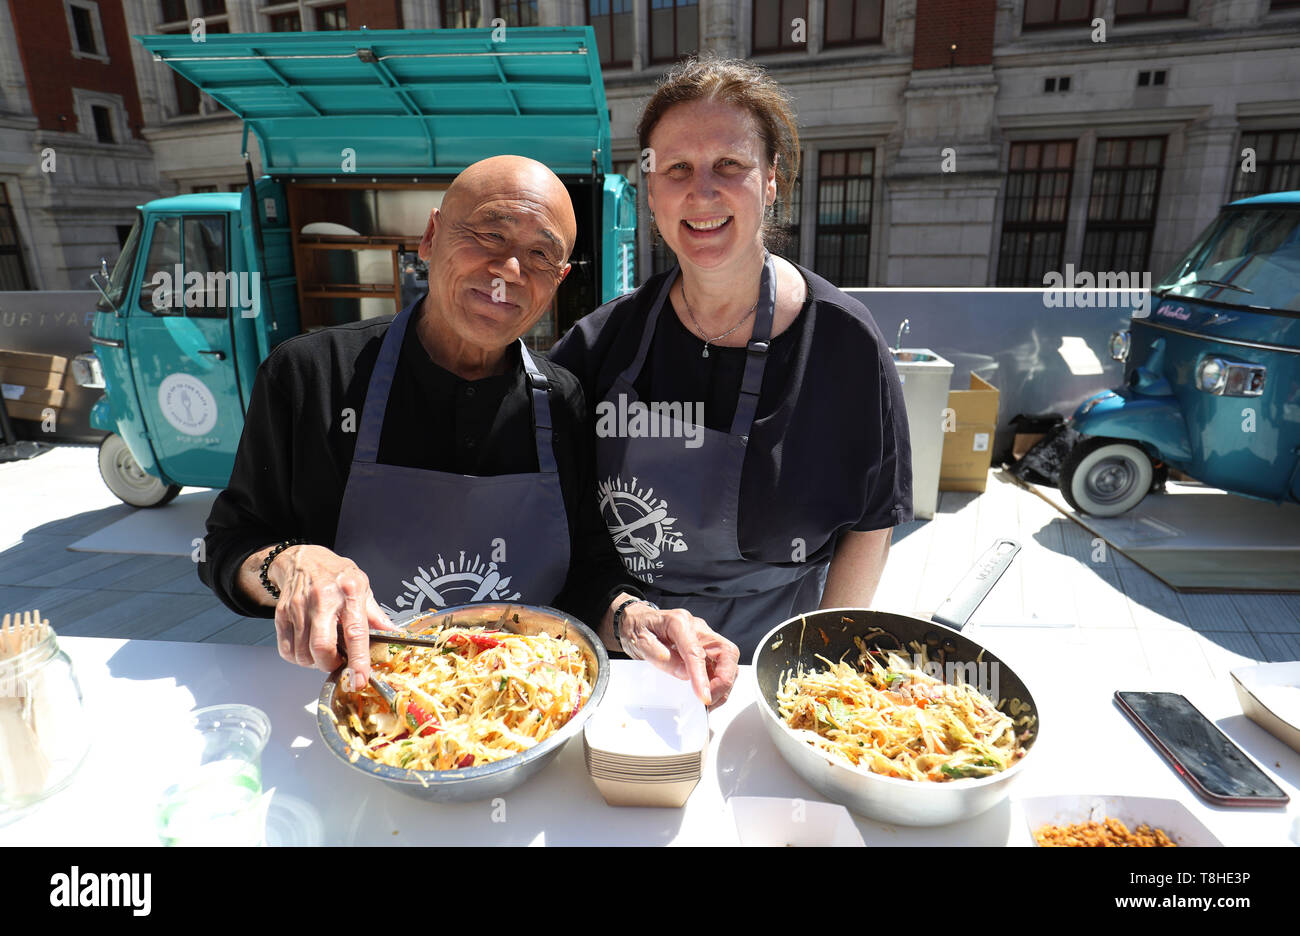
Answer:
(430, 539)
(672, 510)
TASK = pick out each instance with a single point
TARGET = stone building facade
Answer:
(945, 142)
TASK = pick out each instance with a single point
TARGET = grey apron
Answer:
(431, 539)
(672, 510)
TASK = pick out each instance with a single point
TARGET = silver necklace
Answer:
(707, 340)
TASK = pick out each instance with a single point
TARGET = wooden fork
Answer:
(20, 632)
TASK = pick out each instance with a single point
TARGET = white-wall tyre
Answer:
(1106, 477)
(127, 480)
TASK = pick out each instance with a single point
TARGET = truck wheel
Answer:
(125, 478)
(1105, 477)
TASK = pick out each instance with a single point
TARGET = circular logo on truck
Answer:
(188, 404)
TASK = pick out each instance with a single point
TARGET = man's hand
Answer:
(321, 592)
(679, 643)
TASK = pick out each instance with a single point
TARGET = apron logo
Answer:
(640, 526)
(446, 584)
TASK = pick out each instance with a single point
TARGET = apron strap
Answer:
(539, 388)
(630, 372)
(381, 382)
(756, 357)
(755, 360)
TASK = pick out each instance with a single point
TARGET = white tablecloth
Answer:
(138, 691)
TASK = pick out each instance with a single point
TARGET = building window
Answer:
(173, 11)
(843, 237)
(459, 14)
(773, 26)
(1276, 159)
(517, 12)
(852, 22)
(787, 220)
(103, 120)
(187, 96)
(661, 257)
(612, 22)
(674, 29)
(284, 22)
(212, 7)
(13, 272)
(332, 17)
(1122, 204)
(1035, 209)
(1041, 14)
(85, 30)
(1148, 9)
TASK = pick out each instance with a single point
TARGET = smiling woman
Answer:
(801, 465)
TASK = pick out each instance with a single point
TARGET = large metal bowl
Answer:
(483, 782)
(887, 799)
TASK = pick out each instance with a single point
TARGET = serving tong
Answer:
(380, 685)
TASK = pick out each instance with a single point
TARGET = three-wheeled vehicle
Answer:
(360, 134)
(1213, 372)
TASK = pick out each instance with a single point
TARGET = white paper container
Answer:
(1270, 697)
(645, 745)
(780, 821)
(664, 795)
(1168, 815)
(647, 714)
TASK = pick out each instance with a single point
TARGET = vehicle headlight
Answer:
(87, 372)
(1119, 344)
(1211, 376)
(1230, 378)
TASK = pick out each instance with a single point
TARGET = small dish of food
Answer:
(1099, 821)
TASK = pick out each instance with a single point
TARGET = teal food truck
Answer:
(360, 134)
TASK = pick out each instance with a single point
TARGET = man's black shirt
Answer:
(301, 428)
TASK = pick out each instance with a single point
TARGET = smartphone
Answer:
(1214, 767)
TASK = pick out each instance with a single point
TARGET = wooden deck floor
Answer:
(1061, 578)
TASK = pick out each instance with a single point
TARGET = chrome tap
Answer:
(904, 328)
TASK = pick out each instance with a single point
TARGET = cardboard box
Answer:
(37, 380)
(26, 360)
(1024, 441)
(25, 403)
(968, 449)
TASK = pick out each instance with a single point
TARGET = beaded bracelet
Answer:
(270, 557)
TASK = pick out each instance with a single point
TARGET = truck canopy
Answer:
(405, 103)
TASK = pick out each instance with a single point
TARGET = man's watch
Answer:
(618, 620)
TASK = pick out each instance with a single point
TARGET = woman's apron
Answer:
(672, 510)
(431, 539)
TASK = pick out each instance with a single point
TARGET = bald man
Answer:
(389, 467)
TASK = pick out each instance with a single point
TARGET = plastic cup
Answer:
(220, 800)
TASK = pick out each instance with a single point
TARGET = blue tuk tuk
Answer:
(360, 134)
(1213, 372)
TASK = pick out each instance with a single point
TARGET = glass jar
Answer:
(44, 735)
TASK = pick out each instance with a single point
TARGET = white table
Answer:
(138, 691)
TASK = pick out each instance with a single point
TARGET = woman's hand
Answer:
(321, 592)
(677, 642)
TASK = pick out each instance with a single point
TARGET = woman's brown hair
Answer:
(743, 85)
